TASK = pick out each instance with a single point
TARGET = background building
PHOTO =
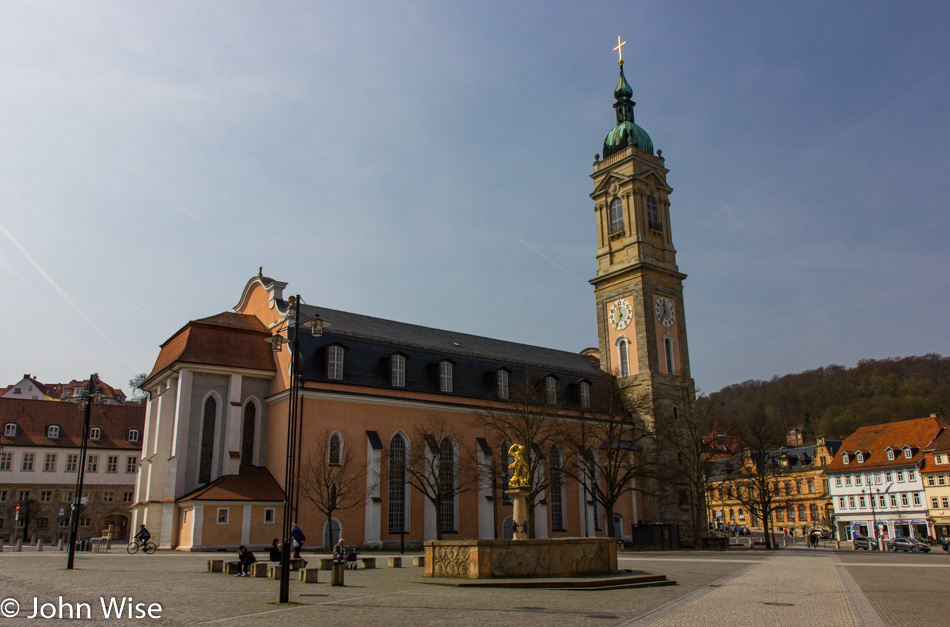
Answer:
(875, 483)
(40, 459)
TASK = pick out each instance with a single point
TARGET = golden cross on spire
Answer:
(619, 49)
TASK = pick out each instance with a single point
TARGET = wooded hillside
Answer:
(834, 401)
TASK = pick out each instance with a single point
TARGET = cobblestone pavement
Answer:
(721, 588)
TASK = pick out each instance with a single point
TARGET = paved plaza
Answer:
(737, 587)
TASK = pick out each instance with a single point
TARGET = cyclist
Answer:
(143, 536)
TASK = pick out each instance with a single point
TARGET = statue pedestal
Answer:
(538, 557)
(519, 517)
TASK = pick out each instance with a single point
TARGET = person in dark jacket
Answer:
(245, 559)
(275, 552)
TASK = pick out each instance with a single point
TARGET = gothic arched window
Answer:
(447, 479)
(557, 489)
(397, 484)
(334, 454)
(207, 440)
(247, 437)
(616, 216)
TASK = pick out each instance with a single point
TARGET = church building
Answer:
(215, 447)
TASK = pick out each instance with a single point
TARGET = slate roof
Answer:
(228, 339)
(33, 416)
(369, 342)
(252, 483)
(873, 442)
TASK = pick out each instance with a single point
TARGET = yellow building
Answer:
(935, 472)
(803, 491)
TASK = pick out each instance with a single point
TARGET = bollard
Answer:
(59, 545)
(33, 541)
(39, 545)
(19, 545)
(1, 545)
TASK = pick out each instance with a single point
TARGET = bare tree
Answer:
(527, 418)
(603, 452)
(332, 477)
(138, 394)
(441, 468)
(758, 477)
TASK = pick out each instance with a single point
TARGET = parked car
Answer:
(744, 531)
(825, 533)
(908, 544)
(864, 542)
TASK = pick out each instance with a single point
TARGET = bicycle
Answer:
(134, 546)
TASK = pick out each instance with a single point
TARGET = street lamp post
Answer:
(291, 492)
(92, 390)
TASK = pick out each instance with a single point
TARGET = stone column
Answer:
(519, 517)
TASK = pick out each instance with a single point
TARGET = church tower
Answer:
(641, 322)
(638, 289)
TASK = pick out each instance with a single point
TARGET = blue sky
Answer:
(429, 162)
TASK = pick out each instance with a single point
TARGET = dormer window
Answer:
(335, 362)
(52, 432)
(133, 435)
(860, 457)
(445, 376)
(397, 370)
(501, 384)
(583, 391)
(908, 452)
(95, 433)
(550, 390)
(845, 458)
(9, 430)
(890, 454)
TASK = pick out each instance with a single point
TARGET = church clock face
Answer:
(621, 313)
(664, 311)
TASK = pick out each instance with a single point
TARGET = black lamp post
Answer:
(92, 390)
(291, 493)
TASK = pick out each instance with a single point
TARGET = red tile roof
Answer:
(33, 416)
(874, 441)
(940, 444)
(228, 339)
(252, 483)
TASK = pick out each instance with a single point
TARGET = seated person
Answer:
(351, 558)
(245, 559)
(339, 551)
(275, 552)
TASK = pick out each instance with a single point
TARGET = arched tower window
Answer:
(247, 436)
(397, 484)
(653, 214)
(623, 361)
(209, 417)
(447, 479)
(668, 349)
(334, 453)
(616, 216)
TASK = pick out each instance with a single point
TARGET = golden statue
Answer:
(520, 477)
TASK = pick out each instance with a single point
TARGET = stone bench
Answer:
(419, 560)
(273, 571)
(325, 563)
(756, 543)
(215, 566)
(231, 568)
(258, 569)
(308, 575)
(368, 562)
(298, 563)
(395, 562)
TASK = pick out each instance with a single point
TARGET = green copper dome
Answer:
(626, 130)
